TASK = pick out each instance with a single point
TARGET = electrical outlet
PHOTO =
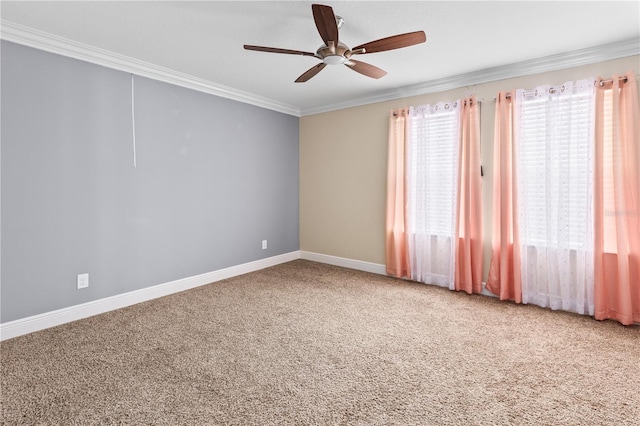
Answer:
(264, 244)
(83, 281)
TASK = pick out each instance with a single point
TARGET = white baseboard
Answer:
(486, 292)
(34, 323)
(73, 313)
(360, 265)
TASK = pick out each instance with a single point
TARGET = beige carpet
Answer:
(310, 344)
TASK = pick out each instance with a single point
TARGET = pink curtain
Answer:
(617, 200)
(397, 259)
(504, 271)
(468, 261)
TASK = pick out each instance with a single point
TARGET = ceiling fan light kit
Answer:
(334, 52)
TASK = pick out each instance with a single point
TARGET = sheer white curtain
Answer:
(554, 145)
(432, 161)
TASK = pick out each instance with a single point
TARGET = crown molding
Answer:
(48, 42)
(62, 46)
(576, 58)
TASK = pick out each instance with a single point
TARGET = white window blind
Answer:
(432, 174)
(609, 155)
(555, 170)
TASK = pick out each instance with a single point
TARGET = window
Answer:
(432, 158)
(554, 165)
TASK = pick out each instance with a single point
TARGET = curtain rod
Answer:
(463, 101)
(622, 77)
(508, 95)
(602, 83)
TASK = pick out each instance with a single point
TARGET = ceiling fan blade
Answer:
(277, 50)
(393, 42)
(311, 72)
(366, 69)
(326, 24)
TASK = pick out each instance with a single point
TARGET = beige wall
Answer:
(343, 158)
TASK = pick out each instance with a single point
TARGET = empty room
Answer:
(335, 213)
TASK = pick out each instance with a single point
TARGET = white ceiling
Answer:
(204, 40)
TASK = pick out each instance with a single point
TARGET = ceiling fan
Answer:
(334, 52)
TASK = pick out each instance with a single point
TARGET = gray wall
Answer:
(214, 177)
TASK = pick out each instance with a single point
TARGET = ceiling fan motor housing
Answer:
(336, 56)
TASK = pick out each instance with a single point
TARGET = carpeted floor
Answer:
(310, 344)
